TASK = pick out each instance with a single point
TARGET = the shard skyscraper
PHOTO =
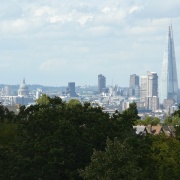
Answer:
(169, 81)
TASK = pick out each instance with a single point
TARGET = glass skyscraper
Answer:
(101, 82)
(169, 81)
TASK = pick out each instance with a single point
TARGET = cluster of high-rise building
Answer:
(157, 92)
(150, 92)
(166, 94)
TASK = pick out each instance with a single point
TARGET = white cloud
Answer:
(52, 65)
(100, 36)
(135, 9)
(44, 10)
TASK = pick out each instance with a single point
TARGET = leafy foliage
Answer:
(56, 137)
(54, 140)
(148, 121)
(116, 162)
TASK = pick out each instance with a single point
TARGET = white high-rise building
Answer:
(149, 91)
(152, 84)
(169, 81)
(152, 103)
(143, 87)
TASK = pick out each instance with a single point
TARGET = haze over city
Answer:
(52, 42)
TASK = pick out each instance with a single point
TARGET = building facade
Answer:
(23, 90)
(134, 80)
(152, 103)
(152, 84)
(149, 91)
(134, 88)
(143, 88)
(169, 81)
(71, 89)
(101, 82)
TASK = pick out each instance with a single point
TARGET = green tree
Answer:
(5, 114)
(177, 127)
(8, 131)
(116, 162)
(166, 155)
(148, 121)
(43, 100)
(173, 120)
(58, 138)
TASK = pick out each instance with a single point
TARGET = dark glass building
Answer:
(101, 82)
(71, 89)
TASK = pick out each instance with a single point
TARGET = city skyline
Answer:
(54, 42)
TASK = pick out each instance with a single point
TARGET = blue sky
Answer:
(52, 42)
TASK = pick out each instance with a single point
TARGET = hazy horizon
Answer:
(53, 42)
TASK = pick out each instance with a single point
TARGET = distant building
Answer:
(38, 93)
(113, 90)
(149, 91)
(23, 90)
(23, 95)
(6, 91)
(22, 98)
(169, 80)
(101, 82)
(149, 85)
(71, 89)
(168, 103)
(152, 103)
(105, 90)
(173, 108)
(143, 87)
(134, 88)
(152, 84)
(134, 80)
(125, 105)
(134, 91)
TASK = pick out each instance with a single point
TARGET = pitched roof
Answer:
(169, 130)
(154, 129)
(139, 129)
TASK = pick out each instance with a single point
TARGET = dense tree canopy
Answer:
(59, 140)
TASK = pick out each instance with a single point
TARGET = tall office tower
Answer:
(134, 80)
(101, 82)
(152, 84)
(152, 99)
(169, 82)
(143, 87)
(134, 89)
(71, 89)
